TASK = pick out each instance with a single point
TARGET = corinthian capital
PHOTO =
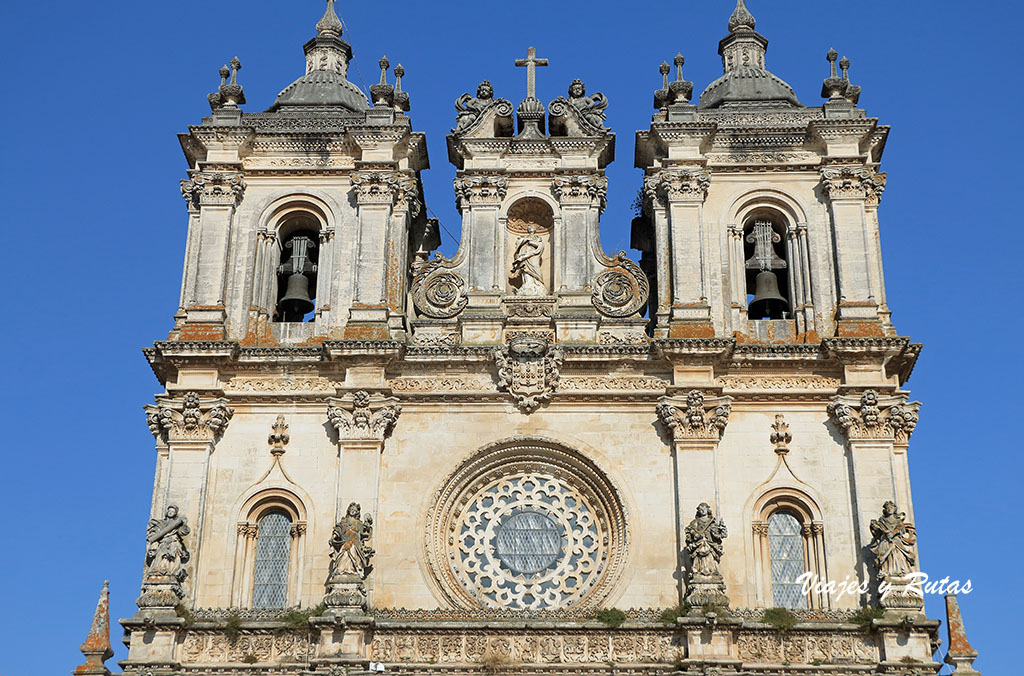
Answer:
(480, 189)
(871, 416)
(362, 416)
(853, 183)
(581, 189)
(188, 418)
(676, 185)
(696, 416)
(213, 188)
(408, 194)
(376, 187)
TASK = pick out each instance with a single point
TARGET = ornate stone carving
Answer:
(211, 188)
(444, 384)
(704, 537)
(894, 544)
(671, 185)
(350, 560)
(696, 417)
(808, 382)
(375, 187)
(846, 182)
(621, 290)
(437, 291)
(875, 417)
(228, 94)
(188, 420)
(470, 111)
(620, 383)
(166, 556)
(479, 189)
(580, 189)
(587, 112)
(279, 436)
(781, 436)
(285, 383)
(528, 369)
(363, 416)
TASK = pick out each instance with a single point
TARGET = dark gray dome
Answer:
(322, 88)
(748, 84)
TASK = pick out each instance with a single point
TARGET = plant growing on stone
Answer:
(864, 616)
(779, 618)
(670, 615)
(493, 661)
(184, 613)
(249, 658)
(298, 619)
(232, 627)
(611, 617)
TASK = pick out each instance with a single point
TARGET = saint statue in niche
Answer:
(350, 555)
(893, 543)
(166, 554)
(526, 262)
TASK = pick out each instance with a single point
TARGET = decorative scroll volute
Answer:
(872, 416)
(437, 291)
(622, 290)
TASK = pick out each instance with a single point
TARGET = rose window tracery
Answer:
(527, 527)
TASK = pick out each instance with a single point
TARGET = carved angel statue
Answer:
(704, 536)
(526, 264)
(893, 543)
(469, 108)
(591, 107)
(166, 553)
(350, 555)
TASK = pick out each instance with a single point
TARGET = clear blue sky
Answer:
(94, 93)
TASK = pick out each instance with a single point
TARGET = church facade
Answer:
(533, 456)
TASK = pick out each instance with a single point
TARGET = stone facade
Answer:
(446, 465)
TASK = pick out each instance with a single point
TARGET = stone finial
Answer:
(279, 437)
(781, 436)
(96, 647)
(329, 25)
(229, 94)
(960, 655)
(741, 18)
(680, 90)
(401, 98)
(836, 87)
(382, 93)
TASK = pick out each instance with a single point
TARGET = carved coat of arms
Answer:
(528, 370)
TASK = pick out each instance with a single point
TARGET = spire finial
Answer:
(97, 644)
(329, 24)
(741, 18)
(960, 655)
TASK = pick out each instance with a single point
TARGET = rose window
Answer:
(529, 528)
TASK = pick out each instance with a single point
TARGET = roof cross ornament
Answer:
(531, 62)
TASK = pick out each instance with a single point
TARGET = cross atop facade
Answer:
(531, 62)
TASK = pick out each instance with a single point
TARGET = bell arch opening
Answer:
(766, 265)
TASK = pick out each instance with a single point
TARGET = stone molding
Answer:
(677, 185)
(188, 418)
(853, 183)
(480, 189)
(362, 416)
(213, 188)
(581, 189)
(872, 416)
(695, 417)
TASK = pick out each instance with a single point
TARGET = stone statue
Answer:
(591, 108)
(526, 264)
(166, 554)
(704, 537)
(350, 555)
(893, 543)
(469, 108)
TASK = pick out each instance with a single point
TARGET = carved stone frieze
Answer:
(844, 182)
(696, 417)
(581, 189)
(212, 646)
(443, 339)
(528, 369)
(362, 416)
(808, 382)
(622, 338)
(442, 384)
(797, 647)
(188, 418)
(671, 185)
(613, 383)
(478, 189)
(213, 188)
(437, 291)
(621, 290)
(872, 416)
(287, 383)
(529, 307)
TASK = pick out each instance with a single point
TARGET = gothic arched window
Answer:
(767, 282)
(270, 565)
(786, 551)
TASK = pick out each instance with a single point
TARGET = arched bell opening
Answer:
(766, 266)
(299, 238)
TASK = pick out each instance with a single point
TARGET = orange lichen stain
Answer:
(205, 307)
(366, 332)
(866, 329)
(808, 337)
(314, 341)
(691, 330)
(199, 332)
(394, 279)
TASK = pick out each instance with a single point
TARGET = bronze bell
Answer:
(296, 302)
(767, 302)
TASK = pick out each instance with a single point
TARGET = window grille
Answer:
(786, 548)
(270, 571)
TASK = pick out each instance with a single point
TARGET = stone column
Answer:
(682, 192)
(874, 426)
(696, 424)
(407, 207)
(188, 428)
(582, 198)
(479, 198)
(847, 189)
(375, 193)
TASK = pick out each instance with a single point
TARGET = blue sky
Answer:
(95, 93)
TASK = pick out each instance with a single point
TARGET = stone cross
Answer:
(531, 62)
